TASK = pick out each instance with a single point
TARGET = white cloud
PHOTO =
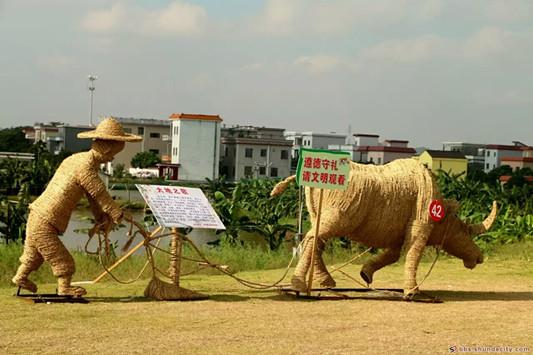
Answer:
(503, 97)
(334, 17)
(179, 18)
(255, 66)
(55, 63)
(489, 41)
(318, 63)
(509, 10)
(278, 16)
(407, 51)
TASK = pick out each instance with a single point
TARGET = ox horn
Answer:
(484, 226)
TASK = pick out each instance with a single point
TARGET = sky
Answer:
(426, 71)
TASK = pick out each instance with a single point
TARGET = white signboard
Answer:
(180, 207)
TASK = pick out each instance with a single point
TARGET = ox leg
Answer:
(417, 235)
(386, 257)
(321, 274)
(298, 278)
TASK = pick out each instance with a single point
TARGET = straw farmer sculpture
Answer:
(50, 213)
(387, 207)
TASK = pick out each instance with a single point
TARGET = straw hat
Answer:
(111, 130)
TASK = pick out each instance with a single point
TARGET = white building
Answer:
(313, 140)
(195, 147)
(495, 152)
(353, 143)
(254, 152)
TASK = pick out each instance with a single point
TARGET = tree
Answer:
(145, 160)
(14, 140)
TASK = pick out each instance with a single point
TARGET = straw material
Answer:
(50, 213)
(110, 129)
(164, 291)
(385, 207)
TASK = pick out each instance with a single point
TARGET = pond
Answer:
(77, 241)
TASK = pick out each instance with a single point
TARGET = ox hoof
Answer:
(411, 291)
(298, 284)
(327, 282)
(366, 277)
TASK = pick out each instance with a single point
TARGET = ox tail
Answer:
(281, 186)
(484, 226)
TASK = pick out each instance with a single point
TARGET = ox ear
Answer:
(451, 206)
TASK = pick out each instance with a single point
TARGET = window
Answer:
(262, 170)
(494, 153)
(176, 130)
(140, 130)
(274, 172)
(127, 130)
(488, 166)
(488, 153)
(155, 151)
(226, 151)
(263, 152)
(154, 135)
(233, 171)
(247, 170)
(248, 153)
(284, 154)
(379, 160)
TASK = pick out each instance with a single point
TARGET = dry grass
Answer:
(491, 305)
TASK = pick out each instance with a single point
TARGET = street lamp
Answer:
(91, 88)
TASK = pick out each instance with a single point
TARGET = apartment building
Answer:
(495, 152)
(313, 140)
(254, 152)
(474, 153)
(390, 150)
(156, 139)
(195, 147)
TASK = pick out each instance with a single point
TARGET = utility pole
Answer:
(91, 88)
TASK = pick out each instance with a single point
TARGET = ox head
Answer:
(458, 234)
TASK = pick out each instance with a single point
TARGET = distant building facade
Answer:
(41, 132)
(313, 140)
(452, 162)
(383, 154)
(474, 153)
(67, 140)
(495, 152)
(525, 161)
(156, 139)
(195, 147)
(255, 152)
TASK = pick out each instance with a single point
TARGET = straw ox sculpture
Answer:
(386, 207)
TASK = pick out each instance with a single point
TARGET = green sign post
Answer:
(322, 169)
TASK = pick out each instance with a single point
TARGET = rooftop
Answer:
(191, 116)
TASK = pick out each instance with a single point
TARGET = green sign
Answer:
(323, 169)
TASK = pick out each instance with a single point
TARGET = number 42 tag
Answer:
(436, 210)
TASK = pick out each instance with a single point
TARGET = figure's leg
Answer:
(416, 238)
(386, 257)
(321, 273)
(62, 263)
(31, 259)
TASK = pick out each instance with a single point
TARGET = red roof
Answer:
(195, 117)
(524, 159)
(366, 135)
(507, 177)
(380, 148)
(503, 147)
(395, 141)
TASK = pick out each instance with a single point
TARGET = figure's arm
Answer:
(99, 199)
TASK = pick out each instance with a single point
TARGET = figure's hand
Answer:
(104, 223)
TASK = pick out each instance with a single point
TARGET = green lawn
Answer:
(491, 305)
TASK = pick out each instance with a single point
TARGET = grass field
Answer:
(490, 306)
